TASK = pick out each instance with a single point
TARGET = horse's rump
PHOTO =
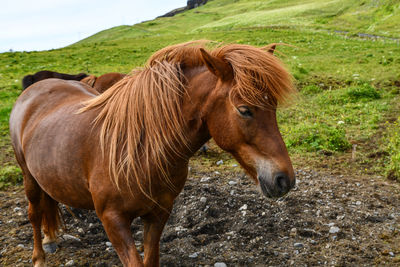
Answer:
(44, 125)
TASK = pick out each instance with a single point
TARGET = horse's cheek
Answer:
(224, 134)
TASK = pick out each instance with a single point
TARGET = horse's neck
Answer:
(200, 83)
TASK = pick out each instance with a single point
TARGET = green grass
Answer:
(368, 16)
(330, 120)
(392, 141)
(347, 84)
(10, 175)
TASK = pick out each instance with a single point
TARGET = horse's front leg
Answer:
(153, 226)
(117, 227)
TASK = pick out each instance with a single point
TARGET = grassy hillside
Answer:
(378, 17)
(349, 86)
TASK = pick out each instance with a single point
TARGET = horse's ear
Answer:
(217, 66)
(271, 49)
(89, 80)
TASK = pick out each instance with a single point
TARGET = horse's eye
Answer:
(245, 111)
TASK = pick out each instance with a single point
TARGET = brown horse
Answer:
(125, 152)
(103, 82)
(28, 80)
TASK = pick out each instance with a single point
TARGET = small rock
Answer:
(220, 162)
(70, 263)
(203, 199)
(334, 230)
(293, 232)
(108, 244)
(17, 209)
(286, 255)
(71, 237)
(244, 207)
(180, 229)
(20, 246)
(217, 173)
(220, 264)
(232, 182)
(298, 245)
(358, 203)
(205, 179)
(340, 217)
(193, 255)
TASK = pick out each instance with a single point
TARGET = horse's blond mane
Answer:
(141, 118)
(260, 77)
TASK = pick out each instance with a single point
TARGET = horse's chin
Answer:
(264, 191)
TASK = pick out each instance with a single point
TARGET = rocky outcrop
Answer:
(195, 3)
(190, 5)
(174, 12)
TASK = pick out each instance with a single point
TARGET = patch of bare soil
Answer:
(330, 220)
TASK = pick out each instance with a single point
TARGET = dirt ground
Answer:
(329, 219)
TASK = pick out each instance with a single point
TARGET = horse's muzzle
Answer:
(277, 185)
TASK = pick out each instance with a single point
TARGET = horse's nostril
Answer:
(282, 183)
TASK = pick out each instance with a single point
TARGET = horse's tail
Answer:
(27, 81)
(51, 216)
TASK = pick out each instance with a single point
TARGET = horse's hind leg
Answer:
(50, 223)
(43, 212)
(34, 194)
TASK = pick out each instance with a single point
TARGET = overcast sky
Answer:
(27, 25)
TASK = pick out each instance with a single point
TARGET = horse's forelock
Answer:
(260, 77)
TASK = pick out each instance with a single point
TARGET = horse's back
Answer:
(107, 80)
(43, 97)
(49, 137)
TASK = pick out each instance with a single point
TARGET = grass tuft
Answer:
(364, 92)
(392, 141)
(10, 175)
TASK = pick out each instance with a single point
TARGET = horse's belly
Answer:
(74, 195)
(66, 188)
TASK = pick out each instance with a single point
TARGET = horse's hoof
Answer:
(40, 263)
(50, 247)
